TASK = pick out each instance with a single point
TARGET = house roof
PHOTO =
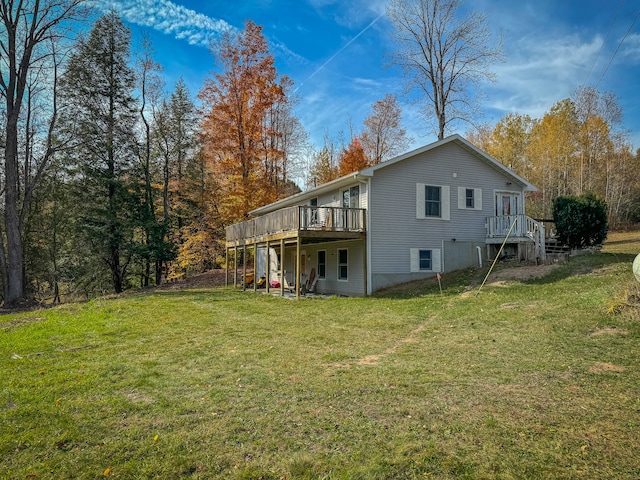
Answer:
(370, 171)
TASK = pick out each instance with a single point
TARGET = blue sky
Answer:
(336, 52)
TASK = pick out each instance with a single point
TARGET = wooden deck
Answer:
(519, 229)
(300, 222)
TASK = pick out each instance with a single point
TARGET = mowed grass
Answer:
(533, 379)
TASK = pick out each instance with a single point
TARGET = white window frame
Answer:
(445, 202)
(351, 202)
(321, 277)
(341, 264)
(430, 260)
(462, 198)
(436, 260)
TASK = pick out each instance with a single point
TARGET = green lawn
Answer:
(535, 379)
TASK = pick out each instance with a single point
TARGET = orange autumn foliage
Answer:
(353, 158)
(237, 103)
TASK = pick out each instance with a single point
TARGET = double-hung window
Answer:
(469, 198)
(432, 201)
(343, 264)
(425, 260)
(322, 263)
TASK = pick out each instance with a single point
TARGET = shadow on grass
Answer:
(216, 294)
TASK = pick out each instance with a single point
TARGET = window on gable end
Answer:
(433, 202)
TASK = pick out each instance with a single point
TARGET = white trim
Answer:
(318, 264)
(462, 198)
(414, 260)
(445, 202)
(338, 265)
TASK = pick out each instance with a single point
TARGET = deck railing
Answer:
(299, 218)
(524, 227)
(499, 226)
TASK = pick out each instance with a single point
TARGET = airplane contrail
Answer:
(345, 46)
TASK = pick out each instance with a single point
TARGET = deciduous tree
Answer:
(444, 54)
(383, 136)
(324, 167)
(30, 38)
(155, 247)
(236, 105)
(353, 158)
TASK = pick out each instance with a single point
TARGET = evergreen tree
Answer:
(183, 174)
(98, 85)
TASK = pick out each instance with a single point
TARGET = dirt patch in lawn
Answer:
(606, 367)
(608, 331)
(20, 322)
(501, 277)
(375, 358)
(521, 274)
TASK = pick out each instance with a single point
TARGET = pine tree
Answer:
(98, 85)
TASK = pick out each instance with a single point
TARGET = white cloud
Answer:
(169, 18)
(542, 71)
(631, 47)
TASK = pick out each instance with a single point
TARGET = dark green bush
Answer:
(580, 221)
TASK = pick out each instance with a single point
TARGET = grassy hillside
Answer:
(531, 378)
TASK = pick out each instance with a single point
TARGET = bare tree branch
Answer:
(444, 55)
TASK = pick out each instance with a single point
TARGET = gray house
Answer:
(442, 207)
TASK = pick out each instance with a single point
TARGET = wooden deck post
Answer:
(364, 263)
(255, 267)
(297, 280)
(226, 267)
(244, 268)
(267, 266)
(364, 240)
(235, 266)
(282, 267)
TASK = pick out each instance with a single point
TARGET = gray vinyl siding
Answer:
(354, 286)
(394, 229)
(334, 198)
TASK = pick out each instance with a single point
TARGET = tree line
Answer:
(578, 147)
(112, 180)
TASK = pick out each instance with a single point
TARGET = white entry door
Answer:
(508, 203)
(508, 206)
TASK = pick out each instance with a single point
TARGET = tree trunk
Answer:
(158, 272)
(14, 288)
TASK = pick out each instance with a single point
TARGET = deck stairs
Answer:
(555, 249)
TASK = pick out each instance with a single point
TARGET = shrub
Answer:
(580, 221)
